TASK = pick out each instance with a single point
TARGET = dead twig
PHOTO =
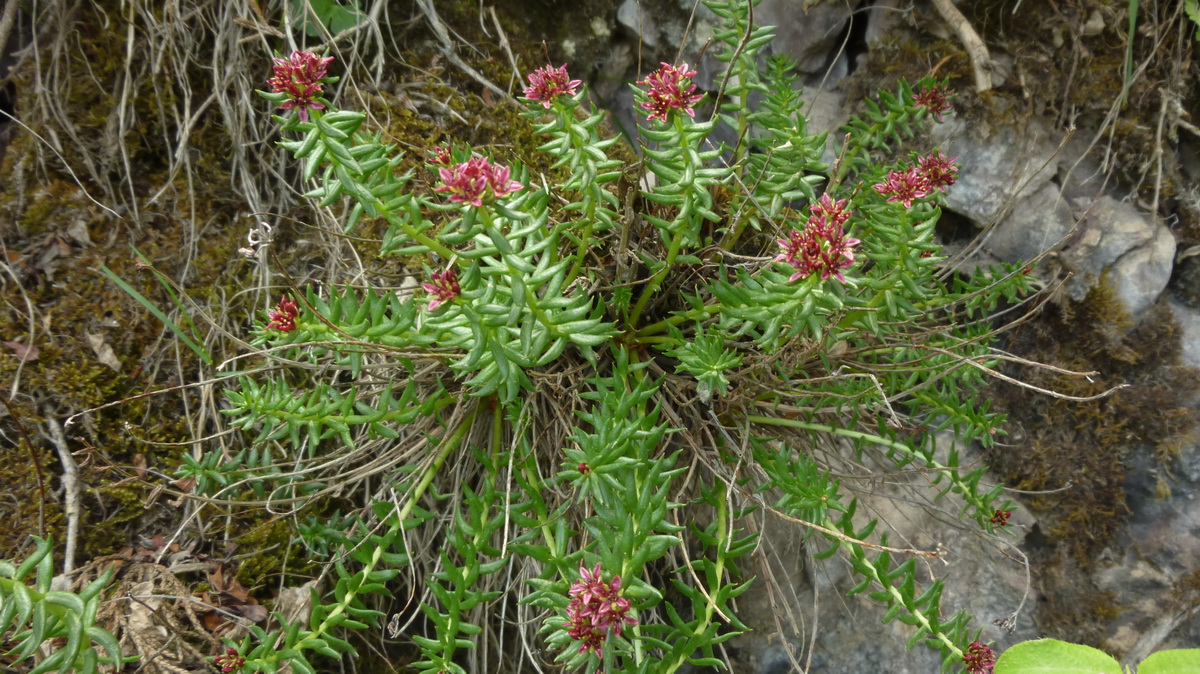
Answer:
(70, 482)
(981, 60)
(447, 49)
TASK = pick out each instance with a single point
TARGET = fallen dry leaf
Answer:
(22, 351)
(103, 351)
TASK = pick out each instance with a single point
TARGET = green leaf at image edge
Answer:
(1181, 661)
(1051, 656)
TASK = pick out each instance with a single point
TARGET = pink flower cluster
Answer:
(229, 661)
(670, 88)
(979, 658)
(441, 155)
(937, 170)
(299, 76)
(548, 82)
(934, 99)
(443, 288)
(904, 187)
(283, 318)
(596, 608)
(470, 181)
(822, 247)
(932, 172)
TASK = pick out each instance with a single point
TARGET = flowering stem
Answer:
(681, 225)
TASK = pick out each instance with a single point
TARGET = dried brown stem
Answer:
(981, 60)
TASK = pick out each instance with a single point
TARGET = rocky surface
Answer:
(1114, 238)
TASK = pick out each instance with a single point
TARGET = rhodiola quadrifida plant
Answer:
(563, 428)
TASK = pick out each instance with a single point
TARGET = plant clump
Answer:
(530, 283)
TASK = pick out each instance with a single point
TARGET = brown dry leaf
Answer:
(229, 586)
(216, 578)
(213, 620)
(252, 612)
(22, 351)
(139, 466)
(238, 591)
(295, 603)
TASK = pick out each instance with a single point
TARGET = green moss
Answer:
(19, 510)
(264, 548)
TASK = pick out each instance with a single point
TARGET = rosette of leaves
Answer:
(705, 358)
(515, 312)
(873, 362)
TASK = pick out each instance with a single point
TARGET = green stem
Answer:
(657, 279)
(544, 521)
(852, 316)
(680, 228)
(960, 487)
(584, 240)
(666, 323)
(898, 597)
(711, 607)
(728, 241)
(412, 233)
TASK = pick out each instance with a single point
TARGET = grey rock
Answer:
(1115, 238)
(1185, 282)
(826, 111)
(632, 21)
(884, 17)
(996, 166)
(812, 37)
(1189, 328)
(1039, 221)
(1156, 552)
(1142, 274)
(1161, 530)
